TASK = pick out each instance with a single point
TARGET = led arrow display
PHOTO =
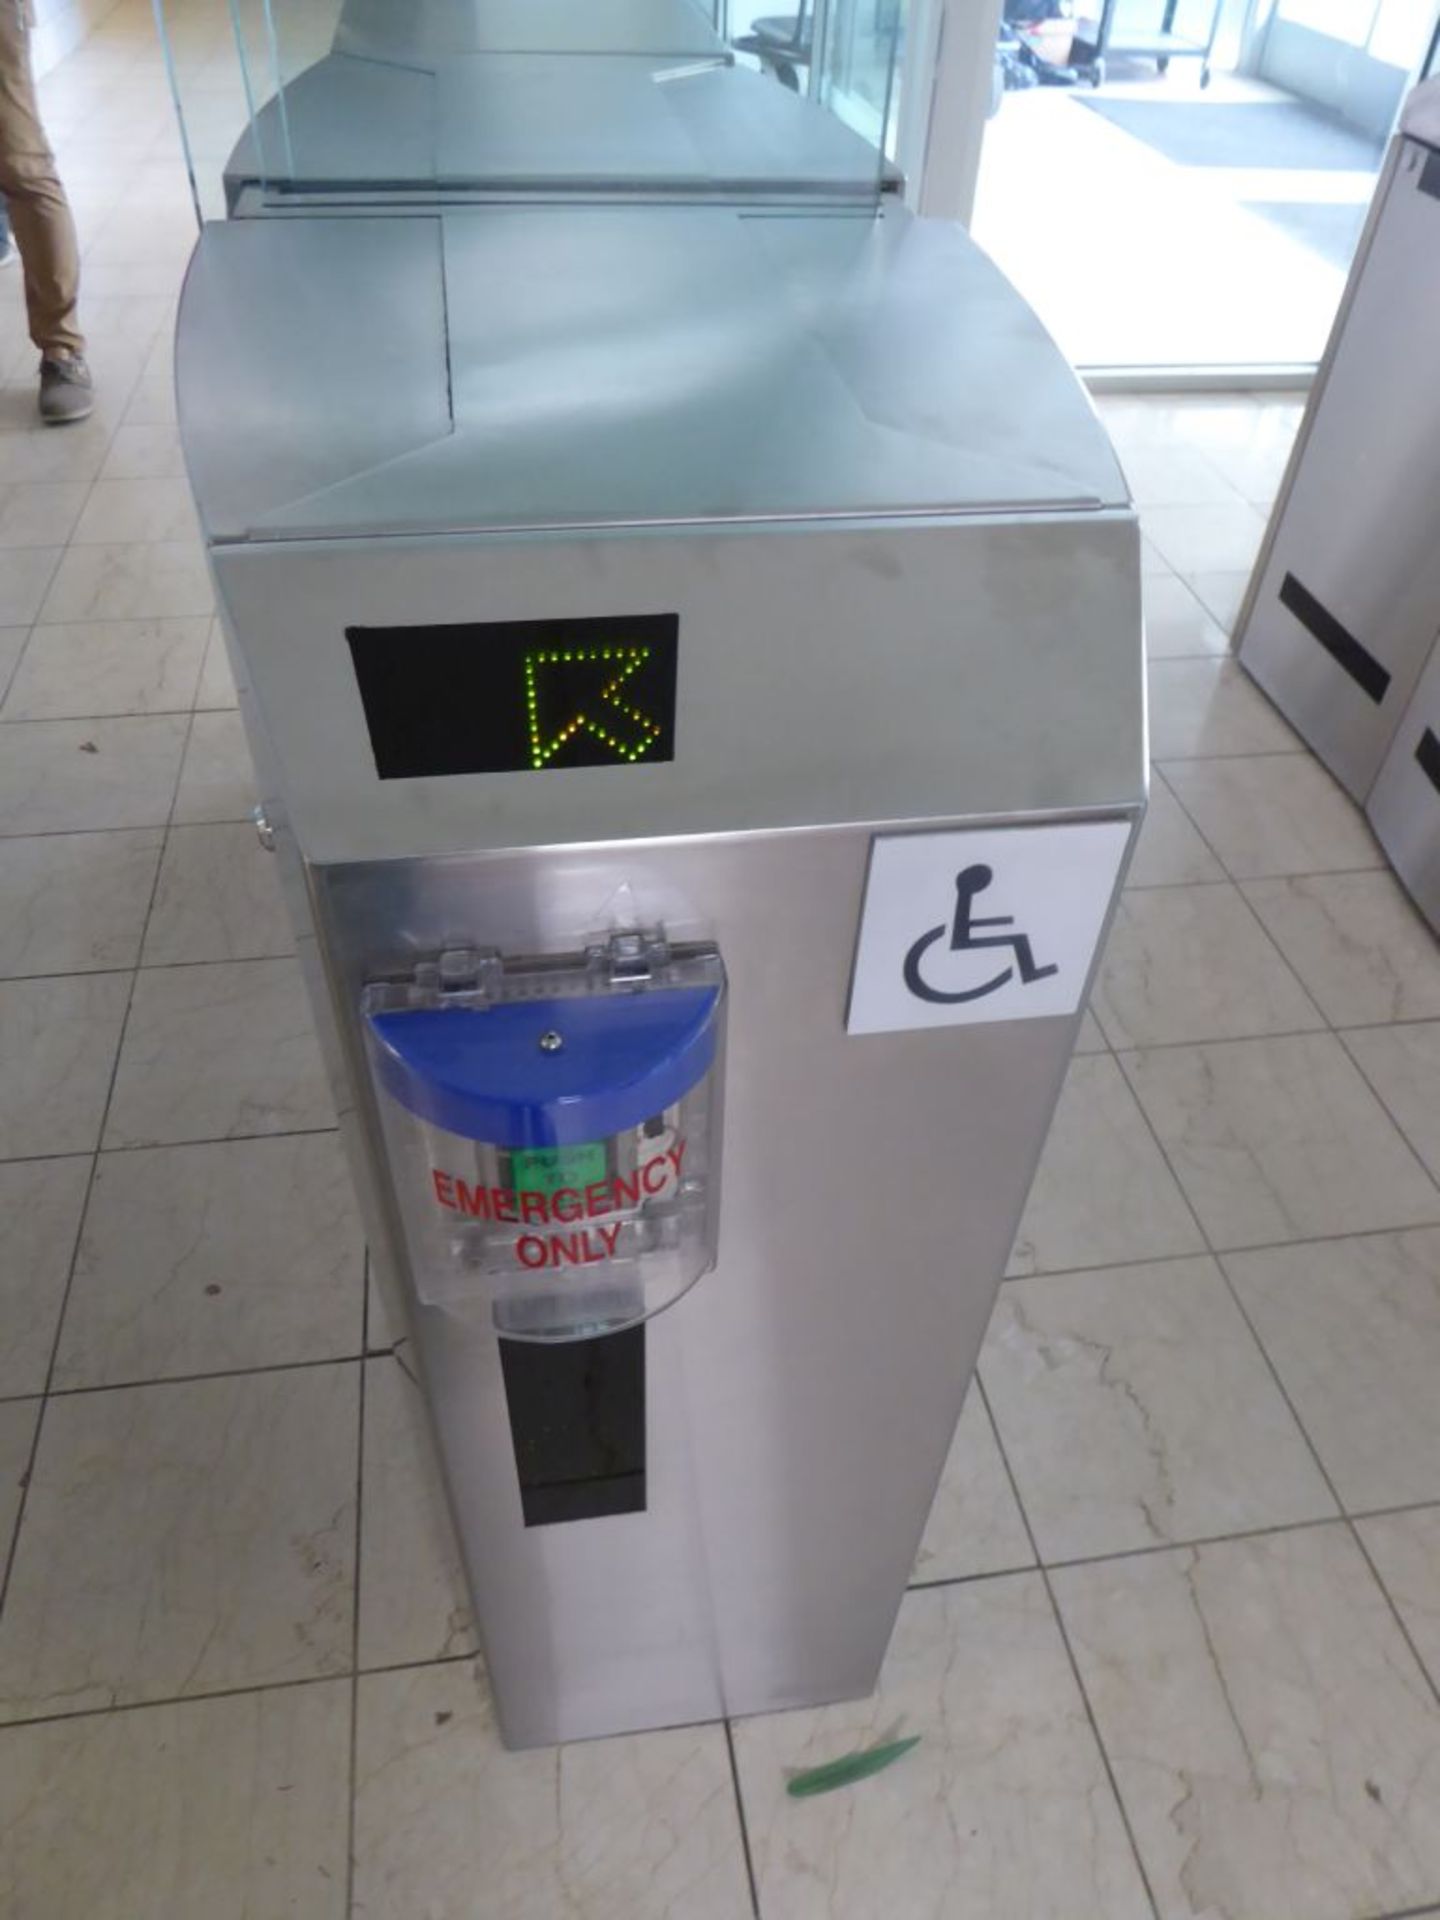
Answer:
(512, 696)
(587, 690)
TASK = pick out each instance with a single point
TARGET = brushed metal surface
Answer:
(647, 365)
(826, 673)
(1404, 805)
(580, 126)
(804, 1394)
(1356, 520)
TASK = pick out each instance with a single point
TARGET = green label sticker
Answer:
(548, 1169)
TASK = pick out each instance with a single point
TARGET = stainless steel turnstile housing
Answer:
(844, 459)
(1344, 608)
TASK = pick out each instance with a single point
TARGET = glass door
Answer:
(1178, 186)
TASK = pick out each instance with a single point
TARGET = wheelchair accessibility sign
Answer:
(998, 924)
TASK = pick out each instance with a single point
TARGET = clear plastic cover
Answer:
(432, 102)
(555, 1149)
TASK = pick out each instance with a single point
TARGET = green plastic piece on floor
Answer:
(844, 1772)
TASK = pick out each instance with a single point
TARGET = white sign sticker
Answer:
(998, 924)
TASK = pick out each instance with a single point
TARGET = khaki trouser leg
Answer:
(39, 212)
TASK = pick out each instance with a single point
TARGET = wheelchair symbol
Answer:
(970, 882)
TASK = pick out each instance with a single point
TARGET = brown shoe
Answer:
(67, 391)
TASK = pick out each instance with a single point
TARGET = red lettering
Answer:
(627, 1189)
(502, 1200)
(566, 1248)
(531, 1251)
(444, 1187)
(570, 1210)
(661, 1172)
(598, 1197)
(675, 1155)
(609, 1235)
(533, 1206)
(474, 1200)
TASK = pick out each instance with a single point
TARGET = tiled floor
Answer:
(1175, 1639)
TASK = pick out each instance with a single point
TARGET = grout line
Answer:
(1204, 1252)
(1059, 1619)
(193, 1379)
(740, 1815)
(59, 1333)
(154, 1146)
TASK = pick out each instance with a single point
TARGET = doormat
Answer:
(1267, 133)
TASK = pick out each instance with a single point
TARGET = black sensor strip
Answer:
(1427, 755)
(1341, 645)
(1430, 176)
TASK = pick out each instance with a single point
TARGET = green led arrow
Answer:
(594, 701)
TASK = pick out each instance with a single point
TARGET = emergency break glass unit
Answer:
(690, 647)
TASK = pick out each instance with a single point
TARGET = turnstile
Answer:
(1344, 608)
(698, 700)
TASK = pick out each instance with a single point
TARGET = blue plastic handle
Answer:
(482, 1072)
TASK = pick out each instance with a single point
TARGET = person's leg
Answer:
(43, 226)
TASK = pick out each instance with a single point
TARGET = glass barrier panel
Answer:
(320, 103)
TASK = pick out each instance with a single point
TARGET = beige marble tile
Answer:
(1353, 1328)
(1356, 942)
(66, 776)
(1280, 1139)
(1089, 1038)
(130, 581)
(106, 667)
(12, 641)
(1214, 537)
(144, 453)
(975, 1525)
(185, 1538)
(217, 683)
(18, 1420)
(1211, 709)
(218, 898)
(450, 1825)
(1170, 851)
(39, 513)
(1103, 1193)
(199, 1259)
(1273, 1738)
(231, 1809)
(1273, 814)
(1136, 1409)
(1403, 1066)
(218, 1052)
(25, 574)
(74, 455)
(120, 511)
(40, 1206)
(1164, 472)
(380, 1334)
(1406, 1550)
(1222, 594)
(58, 1041)
(413, 1601)
(217, 781)
(1176, 624)
(1193, 963)
(1003, 1808)
(75, 903)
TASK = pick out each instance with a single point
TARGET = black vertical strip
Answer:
(1341, 645)
(577, 1420)
(1427, 758)
(1430, 172)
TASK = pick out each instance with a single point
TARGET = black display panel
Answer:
(503, 696)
